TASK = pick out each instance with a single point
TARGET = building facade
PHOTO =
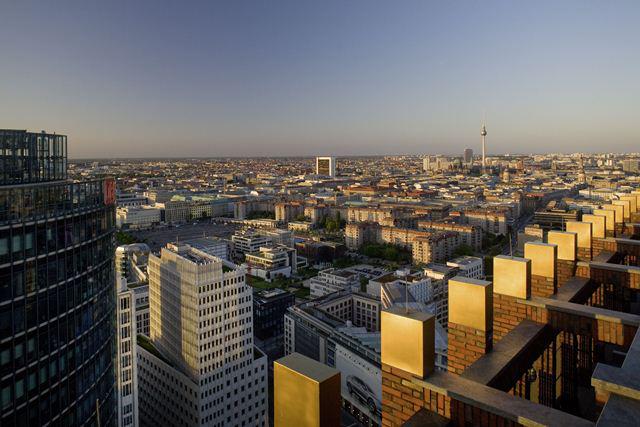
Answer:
(57, 298)
(199, 365)
(126, 363)
(326, 166)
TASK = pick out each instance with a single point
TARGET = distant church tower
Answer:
(483, 133)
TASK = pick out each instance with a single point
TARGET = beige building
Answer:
(433, 246)
(437, 247)
(470, 235)
(137, 217)
(199, 366)
(176, 211)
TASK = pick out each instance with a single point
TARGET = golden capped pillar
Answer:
(408, 340)
(598, 224)
(512, 276)
(306, 393)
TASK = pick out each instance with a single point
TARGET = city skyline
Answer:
(245, 80)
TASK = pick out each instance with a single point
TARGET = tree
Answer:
(463, 250)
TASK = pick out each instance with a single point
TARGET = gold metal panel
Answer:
(512, 276)
(583, 229)
(626, 207)
(408, 340)
(306, 393)
(633, 202)
(471, 303)
(619, 210)
(567, 244)
(543, 258)
(610, 215)
(598, 224)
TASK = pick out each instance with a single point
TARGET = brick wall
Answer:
(565, 270)
(399, 401)
(584, 254)
(542, 286)
(465, 346)
(508, 312)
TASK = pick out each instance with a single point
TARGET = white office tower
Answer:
(199, 366)
(326, 166)
(126, 372)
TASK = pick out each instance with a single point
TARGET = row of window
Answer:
(23, 204)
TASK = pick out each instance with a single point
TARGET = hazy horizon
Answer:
(154, 79)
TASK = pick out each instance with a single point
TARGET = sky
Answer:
(288, 78)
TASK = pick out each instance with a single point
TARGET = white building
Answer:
(248, 241)
(137, 217)
(126, 361)
(269, 263)
(326, 166)
(131, 265)
(333, 280)
(212, 246)
(469, 266)
(199, 366)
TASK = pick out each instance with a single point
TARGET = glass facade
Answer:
(28, 157)
(57, 312)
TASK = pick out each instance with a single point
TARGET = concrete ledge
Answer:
(425, 417)
(585, 311)
(576, 289)
(615, 267)
(502, 367)
(497, 402)
(604, 256)
(619, 411)
(616, 380)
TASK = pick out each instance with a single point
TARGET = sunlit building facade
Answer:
(199, 366)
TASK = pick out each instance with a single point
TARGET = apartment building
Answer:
(435, 247)
(470, 235)
(288, 211)
(490, 220)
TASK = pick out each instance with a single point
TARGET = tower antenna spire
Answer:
(483, 134)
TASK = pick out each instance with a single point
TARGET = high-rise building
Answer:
(57, 297)
(199, 365)
(468, 155)
(631, 165)
(326, 166)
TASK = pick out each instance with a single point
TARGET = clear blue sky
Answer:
(241, 78)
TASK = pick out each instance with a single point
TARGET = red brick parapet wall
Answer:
(584, 254)
(542, 286)
(565, 270)
(401, 398)
(507, 314)
(466, 345)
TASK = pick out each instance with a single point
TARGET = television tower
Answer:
(483, 133)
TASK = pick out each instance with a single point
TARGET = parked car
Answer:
(362, 391)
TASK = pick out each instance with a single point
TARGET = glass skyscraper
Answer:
(57, 295)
